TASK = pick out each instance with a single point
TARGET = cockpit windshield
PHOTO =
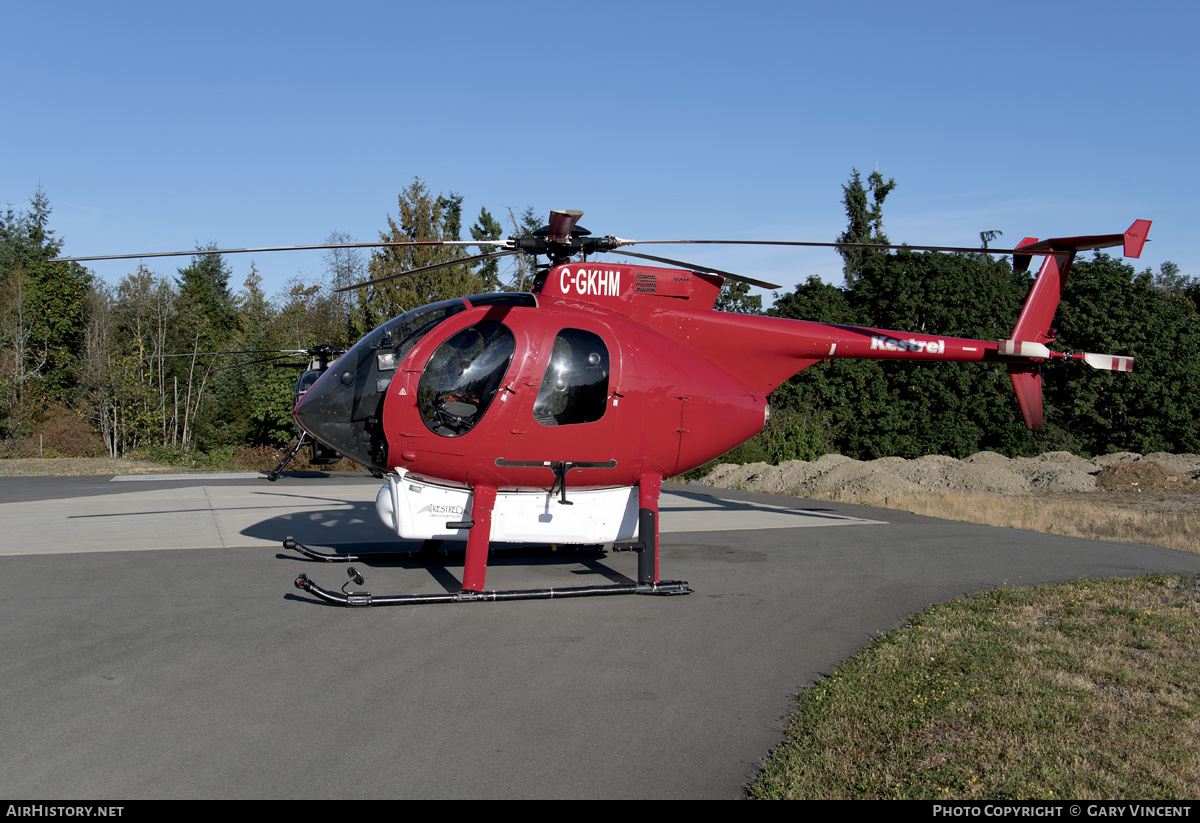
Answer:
(344, 409)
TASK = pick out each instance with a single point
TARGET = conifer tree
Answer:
(420, 216)
(865, 221)
(43, 307)
(488, 228)
(205, 284)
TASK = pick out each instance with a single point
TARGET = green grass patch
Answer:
(1083, 690)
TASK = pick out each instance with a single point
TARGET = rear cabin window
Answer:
(575, 386)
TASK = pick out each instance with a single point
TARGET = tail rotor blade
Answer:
(1110, 362)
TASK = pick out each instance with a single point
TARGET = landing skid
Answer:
(274, 474)
(480, 502)
(321, 456)
(665, 587)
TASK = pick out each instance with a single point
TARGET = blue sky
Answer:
(154, 126)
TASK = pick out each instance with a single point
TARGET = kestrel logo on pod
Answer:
(440, 510)
(882, 341)
(604, 282)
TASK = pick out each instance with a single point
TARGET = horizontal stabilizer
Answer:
(1023, 348)
(1111, 362)
(1132, 241)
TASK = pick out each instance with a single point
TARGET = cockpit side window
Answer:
(575, 386)
(305, 382)
(462, 377)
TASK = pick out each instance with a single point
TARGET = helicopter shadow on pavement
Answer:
(350, 527)
(695, 510)
(702, 502)
(353, 529)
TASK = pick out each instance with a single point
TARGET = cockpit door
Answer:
(452, 388)
(571, 396)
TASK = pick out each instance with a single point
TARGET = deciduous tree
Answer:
(1109, 307)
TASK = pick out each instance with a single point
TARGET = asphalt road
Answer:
(154, 645)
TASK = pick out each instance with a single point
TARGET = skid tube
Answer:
(665, 587)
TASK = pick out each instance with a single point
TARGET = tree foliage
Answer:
(204, 284)
(147, 361)
(736, 297)
(42, 311)
(865, 220)
(420, 216)
(135, 360)
(488, 228)
(1110, 308)
(909, 409)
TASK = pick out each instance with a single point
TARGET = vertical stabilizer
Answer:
(1033, 329)
(1027, 382)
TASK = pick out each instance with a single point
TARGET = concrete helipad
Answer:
(189, 511)
(154, 645)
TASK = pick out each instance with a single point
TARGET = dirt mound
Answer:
(1106, 460)
(1056, 472)
(1143, 475)
(981, 473)
(1188, 464)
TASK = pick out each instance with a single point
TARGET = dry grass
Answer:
(1158, 520)
(244, 460)
(78, 467)
(1083, 690)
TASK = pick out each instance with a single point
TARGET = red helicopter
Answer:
(553, 416)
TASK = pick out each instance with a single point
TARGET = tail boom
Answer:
(765, 351)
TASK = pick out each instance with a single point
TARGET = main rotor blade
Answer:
(280, 352)
(460, 261)
(694, 267)
(274, 360)
(202, 252)
(960, 249)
